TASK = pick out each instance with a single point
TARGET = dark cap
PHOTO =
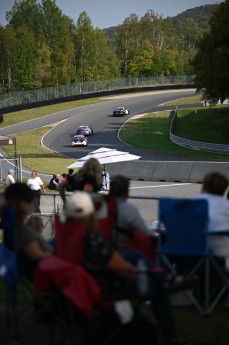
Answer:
(19, 191)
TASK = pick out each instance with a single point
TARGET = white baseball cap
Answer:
(79, 205)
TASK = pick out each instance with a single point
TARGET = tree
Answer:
(211, 63)
(106, 65)
(128, 41)
(59, 36)
(85, 48)
(7, 59)
(26, 13)
(26, 58)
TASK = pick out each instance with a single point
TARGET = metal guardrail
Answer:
(59, 91)
(195, 145)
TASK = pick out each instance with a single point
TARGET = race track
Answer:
(106, 127)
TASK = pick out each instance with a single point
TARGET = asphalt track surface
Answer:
(105, 126)
(106, 129)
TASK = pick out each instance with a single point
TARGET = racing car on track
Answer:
(79, 140)
(120, 111)
(84, 130)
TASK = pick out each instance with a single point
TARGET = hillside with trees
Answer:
(42, 47)
(200, 15)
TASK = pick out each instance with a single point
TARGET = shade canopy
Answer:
(105, 156)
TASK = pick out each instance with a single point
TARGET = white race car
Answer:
(79, 140)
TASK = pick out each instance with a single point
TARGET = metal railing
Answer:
(59, 91)
(195, 145)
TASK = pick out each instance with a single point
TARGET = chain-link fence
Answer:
(59, 91)
(51, 203)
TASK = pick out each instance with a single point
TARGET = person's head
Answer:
(80, 208)
(215, 183)
(57, 176)
(119, 186)
(20, 196)
(70, 171)
(11, 171)
(92, 167)
(33, 174)
(36, 223)
(64, 175)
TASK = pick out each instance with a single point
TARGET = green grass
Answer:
(36, 157)
(152, 131)
(203, 330)
(30, 114)
(186, 100)
(204, 124)
(197, 329)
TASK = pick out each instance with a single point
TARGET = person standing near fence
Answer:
(36, 184)
(105, 181)
(10, 178)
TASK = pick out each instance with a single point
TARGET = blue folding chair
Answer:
(185, 224)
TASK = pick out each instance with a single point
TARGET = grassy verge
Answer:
(186, 100)
(204, 124)
(152, 131)
(36, 157)
(30, 114)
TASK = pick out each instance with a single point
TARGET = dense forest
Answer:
(42, 47)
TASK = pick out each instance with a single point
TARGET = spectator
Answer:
(10, 178)
(128, 216)
(69, 179)
(98, 252)
(36, 184)
(54, 182)
(31, 246)
(36, 223)
(87, 178)
(105, 181)
(214, 190)
(62, 178)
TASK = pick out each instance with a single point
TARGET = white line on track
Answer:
(162, 185)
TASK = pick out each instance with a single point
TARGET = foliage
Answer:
(199, 14)
(41, 47)
(211, 63)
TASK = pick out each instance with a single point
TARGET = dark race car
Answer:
(120, 111)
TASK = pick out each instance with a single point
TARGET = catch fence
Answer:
(62, 91)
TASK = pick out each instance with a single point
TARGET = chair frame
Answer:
(207, 261)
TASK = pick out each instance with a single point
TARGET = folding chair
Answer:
(184, 236)
(69, 240)
(41, 306)
(108, 227)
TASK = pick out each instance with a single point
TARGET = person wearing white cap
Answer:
(79, 207)
(10, 177)
(100, 253)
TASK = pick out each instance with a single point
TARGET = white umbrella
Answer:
(105, 156)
